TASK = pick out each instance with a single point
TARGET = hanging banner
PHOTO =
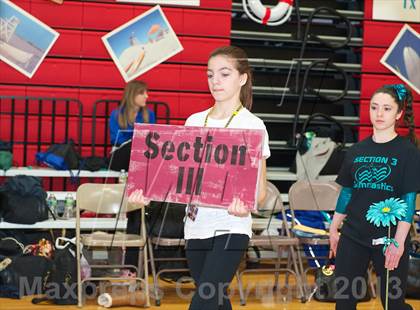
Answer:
(396, 10)
(197, 165)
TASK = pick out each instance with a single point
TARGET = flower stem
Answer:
(387, 275)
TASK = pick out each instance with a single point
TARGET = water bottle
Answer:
(123, 177)
(68, 206)
(52, 205)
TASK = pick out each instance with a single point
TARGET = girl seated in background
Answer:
(121, 122)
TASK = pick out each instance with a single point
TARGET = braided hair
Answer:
(404, 99)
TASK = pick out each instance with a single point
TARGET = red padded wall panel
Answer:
(364, 113)
(183, 104)
(87, 130)
(194, 78)
(197, 50)
(207, 22)
(89, 96)
(216, 4)
(163, 77)
(93, 46)
(50, 72)
(195, 103)
(18, 151)
(68, 44)
(368, 9)
(171, 98)
(100, 74)
(68, 15)
(23, 4)
(381, 34)
(106, 16)
(12, 90)
(371, 82)
(371, 60)
(55, 92)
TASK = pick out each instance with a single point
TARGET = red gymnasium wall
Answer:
(78, 65)
(377, 37)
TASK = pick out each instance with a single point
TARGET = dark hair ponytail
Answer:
(409, 117)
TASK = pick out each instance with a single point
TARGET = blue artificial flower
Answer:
(386, 212)
(399, 89)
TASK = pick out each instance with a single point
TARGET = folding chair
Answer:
(157, 240)
(315, 195)
(109, 199)
(312, 196)
(281, 243)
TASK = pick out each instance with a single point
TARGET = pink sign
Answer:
(197, 165)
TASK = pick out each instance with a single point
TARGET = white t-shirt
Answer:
(211, 222)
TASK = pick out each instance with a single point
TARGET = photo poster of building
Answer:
(403, 57)
(142, 43)
(24, 40)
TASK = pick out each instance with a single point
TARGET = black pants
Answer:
(133, 227)
(120, 159)
(351, 264)
(213, 263)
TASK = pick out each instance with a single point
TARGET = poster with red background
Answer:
(196, 165)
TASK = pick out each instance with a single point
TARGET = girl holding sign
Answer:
(380, 179)
(216, 238)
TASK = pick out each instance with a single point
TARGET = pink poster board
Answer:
(197, 165)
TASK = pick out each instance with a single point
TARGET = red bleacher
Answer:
(371, 82)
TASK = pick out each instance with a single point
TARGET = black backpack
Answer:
(23, 200)
(22, 275)
(60, 156)
(167, 221)
(94, 163)
(61, 281)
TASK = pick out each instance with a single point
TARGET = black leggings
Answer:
(351, 264)
(213, 263)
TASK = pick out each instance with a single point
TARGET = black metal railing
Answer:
(35, 123)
